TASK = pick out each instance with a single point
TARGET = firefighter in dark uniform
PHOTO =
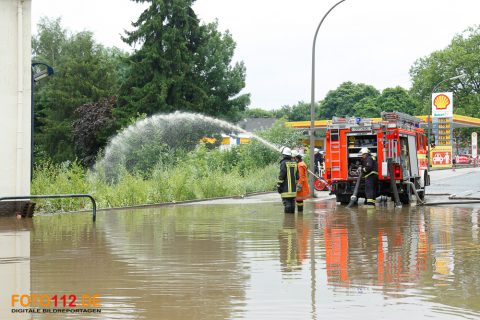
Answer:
(287, 180)
(369, 171)
(318, 160)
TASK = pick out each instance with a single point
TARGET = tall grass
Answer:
(165, 184)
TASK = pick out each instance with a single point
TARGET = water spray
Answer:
(175, 130)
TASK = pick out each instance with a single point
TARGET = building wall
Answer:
(15, 97)
(15, 276)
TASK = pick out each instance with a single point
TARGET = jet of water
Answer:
(147, 138)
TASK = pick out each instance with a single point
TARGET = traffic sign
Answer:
(474, 145)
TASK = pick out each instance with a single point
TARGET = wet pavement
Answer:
(245, 259)
(464, 182)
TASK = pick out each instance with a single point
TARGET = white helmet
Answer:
(315, 150)
(295, 153)
(286, 151)
(364, 150)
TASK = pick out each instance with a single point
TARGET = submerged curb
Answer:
(164, 204)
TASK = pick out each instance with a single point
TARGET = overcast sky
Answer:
(364, 41)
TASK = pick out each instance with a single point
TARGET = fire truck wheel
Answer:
(426, 179)
(421, 194)
(405, 196)
(344, 199)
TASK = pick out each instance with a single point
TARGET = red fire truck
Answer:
(396, 141)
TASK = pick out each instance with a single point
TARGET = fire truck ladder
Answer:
(390, 146)
(335, 153)
(402, 120)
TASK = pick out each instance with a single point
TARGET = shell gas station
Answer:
(441, 152)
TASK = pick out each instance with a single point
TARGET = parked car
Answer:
(437, 158)
(463, 159)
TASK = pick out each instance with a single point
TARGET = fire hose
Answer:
(354, 197)
(449, 202)
(412, 185)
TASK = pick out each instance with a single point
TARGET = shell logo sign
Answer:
(442, 105)
(441, 102)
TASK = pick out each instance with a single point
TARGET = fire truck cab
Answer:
(396, 142)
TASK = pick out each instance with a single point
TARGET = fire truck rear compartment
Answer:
(396, 143)
(343, 190)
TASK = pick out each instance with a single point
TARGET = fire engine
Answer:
(397, 143)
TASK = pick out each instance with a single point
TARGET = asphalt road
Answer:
(464, 182)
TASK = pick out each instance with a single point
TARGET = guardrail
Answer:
(57, 196)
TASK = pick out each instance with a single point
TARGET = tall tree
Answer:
(181, 65)
(350, 99)
(462, 56)
(84, 72)
(396, 99)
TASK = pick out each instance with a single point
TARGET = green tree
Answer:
(257, 113)
(396, 99)
(85, 71)
(460, 57)
(350, 99)
(297, 112)
(366, 108)
(301, 111)
(181, 65)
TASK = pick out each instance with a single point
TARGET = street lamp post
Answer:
(430, 114)
(36, 77)
(312, 104)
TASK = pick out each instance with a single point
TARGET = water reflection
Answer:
(293, 242)
(475, 214)
(421, 252)
(252, 261)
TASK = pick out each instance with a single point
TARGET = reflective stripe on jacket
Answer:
(287, 179)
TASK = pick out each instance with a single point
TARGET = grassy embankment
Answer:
(202, 174)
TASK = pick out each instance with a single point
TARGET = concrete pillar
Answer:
(15, 97)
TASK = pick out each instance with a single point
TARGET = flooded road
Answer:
(251, 261)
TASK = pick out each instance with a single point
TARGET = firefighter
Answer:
(303, 189)
(318, 160)
(287, 180)
(369, 171)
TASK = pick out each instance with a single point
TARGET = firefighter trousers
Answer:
(371, 183)
(289, 205)
(300, 205)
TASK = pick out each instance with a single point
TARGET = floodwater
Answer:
(250, 261)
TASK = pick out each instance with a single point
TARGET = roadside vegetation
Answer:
(176, 175)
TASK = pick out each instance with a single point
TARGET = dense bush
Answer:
(91, 129)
